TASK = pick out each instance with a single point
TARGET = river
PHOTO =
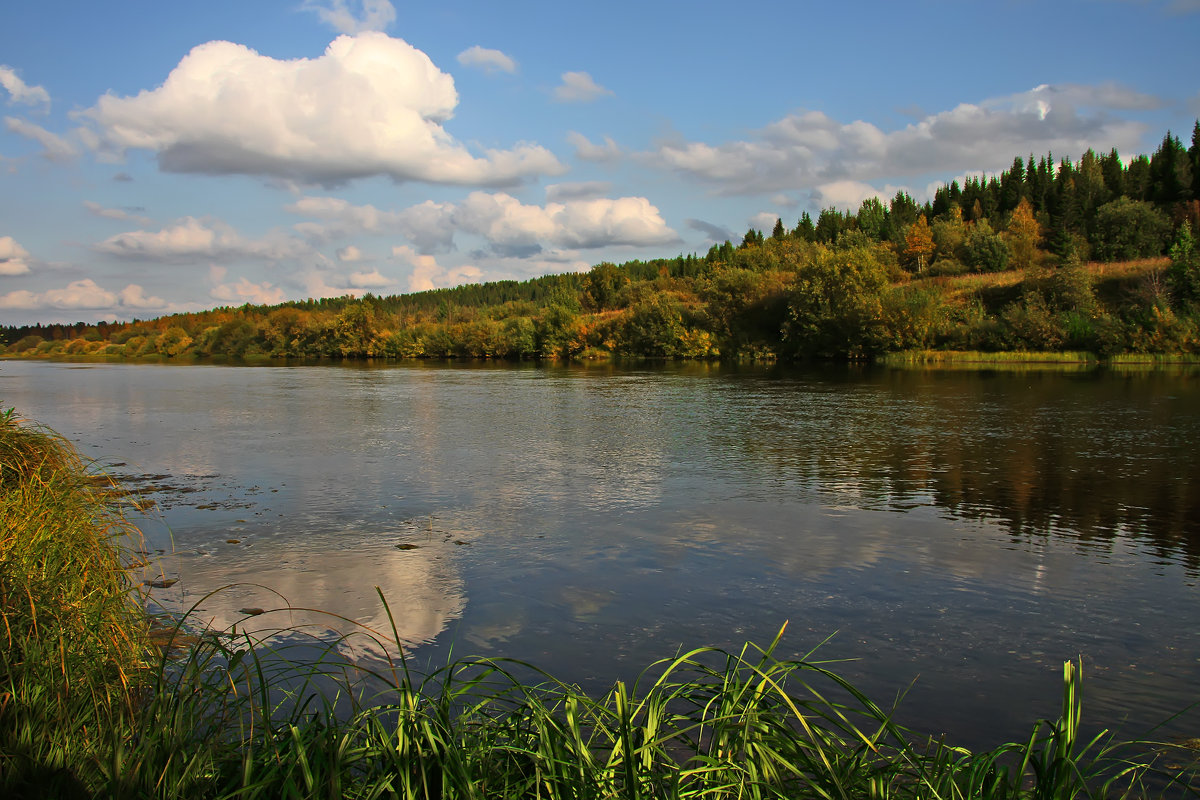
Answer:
(954, 534)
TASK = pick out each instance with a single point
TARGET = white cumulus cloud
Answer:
(510, 227)
(764, 221)
(427, 274)
(514, 228)
(370, 105)
(848, 195)
(191, 239)
(243, 290)
(486, 59)
(369, 280)
(578, 87)
(14, 259)
(81, 294)
(134, 296)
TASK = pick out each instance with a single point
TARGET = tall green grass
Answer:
(87, 709)
(73, 633)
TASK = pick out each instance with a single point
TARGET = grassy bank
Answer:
(1026, 357)
(89, 708)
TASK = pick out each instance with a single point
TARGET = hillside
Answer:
(1095, 255)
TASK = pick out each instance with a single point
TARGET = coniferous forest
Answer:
(1096, 255)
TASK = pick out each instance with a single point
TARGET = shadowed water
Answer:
(966, 530)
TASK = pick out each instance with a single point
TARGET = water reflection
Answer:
(1090, 456)
(969, 530)
(266, 581)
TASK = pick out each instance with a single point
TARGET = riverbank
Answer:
(89, 708)
(976, 358)
(904, 358)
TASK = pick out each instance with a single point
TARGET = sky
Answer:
(160, 157)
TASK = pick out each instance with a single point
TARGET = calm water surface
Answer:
(957, 532)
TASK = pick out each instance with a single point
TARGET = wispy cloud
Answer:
(714, 233)
(608, 150)
(579, 87)
(487, 60)
(811, 149)
(584, 190)
(354, 16)
(54, 147)
(115, 213)
(19, 91)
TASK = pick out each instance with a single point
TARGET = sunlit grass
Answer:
(975, 358)
(1144, 359)
(88, 709)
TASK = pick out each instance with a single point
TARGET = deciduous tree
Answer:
(1023, 235)
(918, 243)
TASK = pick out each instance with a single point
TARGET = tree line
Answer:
(1024, 260)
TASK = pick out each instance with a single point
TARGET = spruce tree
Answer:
(1184, 274)
(1170, 172)
(805, 230)
(1194, 158)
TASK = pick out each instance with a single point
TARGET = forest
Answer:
(1095, 256)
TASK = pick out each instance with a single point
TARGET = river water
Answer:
(953, 534)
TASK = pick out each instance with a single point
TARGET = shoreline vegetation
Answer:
(1096, 256)
(97, 702)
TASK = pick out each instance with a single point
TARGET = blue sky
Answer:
(172, 156)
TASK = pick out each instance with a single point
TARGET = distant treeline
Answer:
(1020, 261)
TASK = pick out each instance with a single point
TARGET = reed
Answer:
(975, 358)
(73, 631)
(87, 711)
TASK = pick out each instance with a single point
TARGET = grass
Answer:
(1024, 359)
(1154, 359)
(89, 709)
(72, 631)
(973, 358)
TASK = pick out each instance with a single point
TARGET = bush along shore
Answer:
(91, 707)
